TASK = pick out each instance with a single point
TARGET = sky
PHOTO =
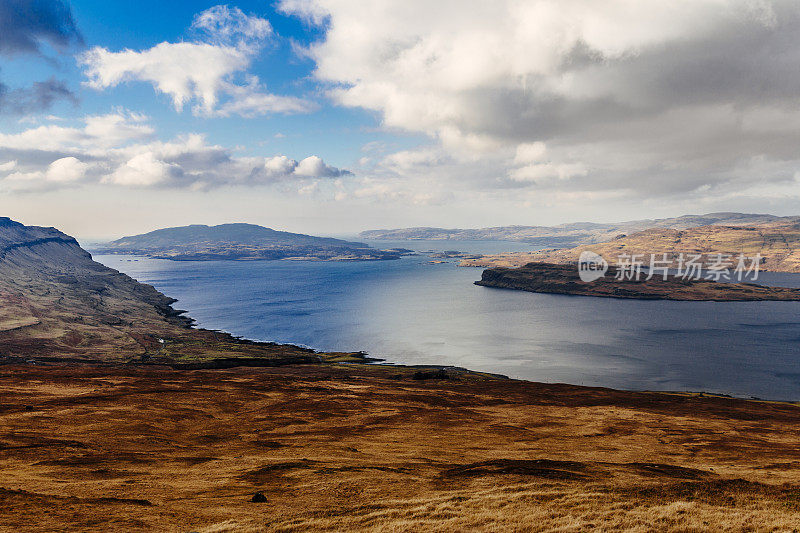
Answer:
(335, 116)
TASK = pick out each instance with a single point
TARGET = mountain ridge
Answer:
(777, 244)
(572, 233)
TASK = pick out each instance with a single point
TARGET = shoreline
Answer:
(455, 363)
(424, 372)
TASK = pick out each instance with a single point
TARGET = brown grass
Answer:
(337, 448)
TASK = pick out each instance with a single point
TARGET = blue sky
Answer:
(334, 116)
(334, 130)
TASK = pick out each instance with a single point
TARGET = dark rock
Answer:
(430, 374)
(258, 497)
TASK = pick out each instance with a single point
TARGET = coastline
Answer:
(378, 334)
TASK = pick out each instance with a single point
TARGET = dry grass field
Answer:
(352, 448)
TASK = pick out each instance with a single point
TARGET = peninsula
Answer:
(564, 279)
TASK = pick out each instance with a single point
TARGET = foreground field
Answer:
(99, 448)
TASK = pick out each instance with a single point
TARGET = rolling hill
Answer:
(241, 242)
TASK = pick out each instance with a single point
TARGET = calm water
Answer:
(410, 311)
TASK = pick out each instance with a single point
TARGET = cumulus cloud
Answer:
(313, 166)
(67, 169)
(648, 97)
(120, 149)
(205, 72)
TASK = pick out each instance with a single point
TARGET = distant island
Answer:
(778, 244)
(564, 279)
(572, 234)
(242, 242)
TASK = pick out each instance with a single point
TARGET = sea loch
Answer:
(413, 312)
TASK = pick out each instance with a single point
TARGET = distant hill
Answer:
(572, 234)
(241, 242)
(778, 243)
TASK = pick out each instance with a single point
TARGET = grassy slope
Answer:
(353, 448)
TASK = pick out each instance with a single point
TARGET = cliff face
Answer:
(55, 300)
(56, 303)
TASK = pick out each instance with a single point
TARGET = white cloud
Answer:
(100, 132)
(67, 169)
(279, 165)
(536, 173)
(144, 170)
(119, 150)
(223, 25)
(250, 101)
(530, 152)
(184, 71)
(410, 159)
(647, 97)
(202, 72)
(313, 166)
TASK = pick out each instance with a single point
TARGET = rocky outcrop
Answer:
(564, 279)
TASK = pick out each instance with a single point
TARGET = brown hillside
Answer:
(778, 244)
